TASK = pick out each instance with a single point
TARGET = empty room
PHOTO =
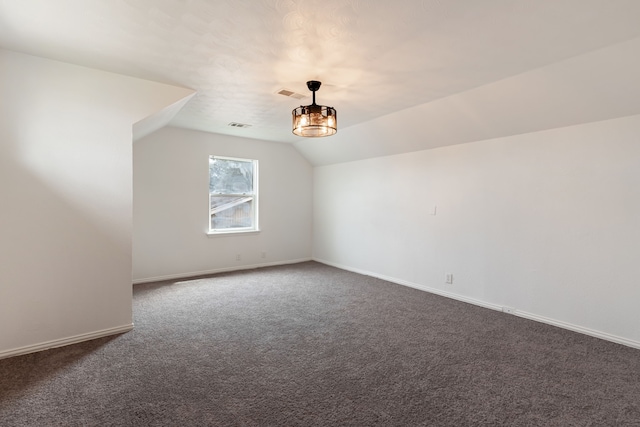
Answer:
(302, 213)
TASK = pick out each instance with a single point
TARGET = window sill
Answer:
(231, 233)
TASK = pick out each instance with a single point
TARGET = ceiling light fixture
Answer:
(314, 120)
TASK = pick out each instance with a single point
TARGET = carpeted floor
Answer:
(311, 345)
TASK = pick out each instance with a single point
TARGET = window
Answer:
(233, 195)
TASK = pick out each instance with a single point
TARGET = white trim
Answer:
(575, 328)
(216, 270)
(65, 341)
(235, 159)
(530, 316)
(255, 214)
(414, 285)
(232, 232)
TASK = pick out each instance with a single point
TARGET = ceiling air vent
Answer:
(239, 125)
(291, 94)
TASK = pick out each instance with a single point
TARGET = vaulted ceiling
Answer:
(416, 60)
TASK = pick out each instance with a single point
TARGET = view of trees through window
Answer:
(232, 194)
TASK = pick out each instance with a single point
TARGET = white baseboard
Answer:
(217, 270)
(530, 316)
(65, 341)
(575, 328)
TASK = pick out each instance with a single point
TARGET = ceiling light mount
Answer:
(314, 120)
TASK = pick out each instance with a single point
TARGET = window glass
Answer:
(232, 194)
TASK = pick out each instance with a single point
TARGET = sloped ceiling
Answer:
(378, 60)
(596, 86)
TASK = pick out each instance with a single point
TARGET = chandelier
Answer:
(314, 120)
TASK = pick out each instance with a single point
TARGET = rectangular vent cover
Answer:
(291, 94)
(239, 125)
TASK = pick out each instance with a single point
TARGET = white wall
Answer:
(65, 217)
(546, 223)
(171, 187)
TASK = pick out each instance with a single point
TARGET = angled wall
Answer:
(595, 86)
(65, 180)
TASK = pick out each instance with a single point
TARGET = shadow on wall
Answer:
(66, 271)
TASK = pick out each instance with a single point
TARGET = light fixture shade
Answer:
(314, 120)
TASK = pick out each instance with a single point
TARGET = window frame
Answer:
(255, 228)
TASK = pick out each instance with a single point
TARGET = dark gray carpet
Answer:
(311, 345)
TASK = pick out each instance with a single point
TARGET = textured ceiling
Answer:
(374, 57)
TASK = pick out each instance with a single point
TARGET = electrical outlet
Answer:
(449, 278)
(263, 254)
(238, 257)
